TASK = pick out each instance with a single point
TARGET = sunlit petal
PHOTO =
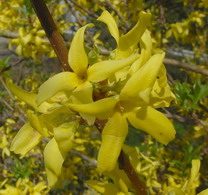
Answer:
(130, 40)
(64, 136)
(161, 95)
(53, 162)
(103, 187)
(146, 46)
(77, 57)
(113, 136)
(153, 122)
(204, 192)
(141, 83)
(101, 109)
(25, 140)
(64, 81)
(192, 182)
(83, 95)
(107, 18)
(37, 124)
(25, 96)
(104, 69)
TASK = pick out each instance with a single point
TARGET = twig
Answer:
(132, 175)
(83, 9)
(23, 116)
(8, 34)
(6, 104)
(186, 66)
(93, 162)
(52, 32)
(118, 13)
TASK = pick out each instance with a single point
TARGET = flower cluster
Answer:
(125, 89)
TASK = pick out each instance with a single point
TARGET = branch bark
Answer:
(186, 66)
(52, 32)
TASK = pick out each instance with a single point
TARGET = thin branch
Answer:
(118, 13)
(83, 9)
(139, 186)
(52, 32)
(8, 34)
(92, 162)
(186, 66)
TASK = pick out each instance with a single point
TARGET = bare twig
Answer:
(186, 66)
(118, 13)
(52, 32)
(83, 9)
(8, 34)
(6, 104)
(92, 162)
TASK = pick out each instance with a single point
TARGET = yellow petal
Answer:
(153, 122)
(77, 57)
(161, 95)
(141, 83)
(104, 188)
(193, 181)
(107, 18)
(83, 95)
(174, 191)
(37, 124)
(130, 40)
(25, 140)
(101, 109)
(113, 136)
(146, 46)
(53, 162)
(64, 81)
(104, 69)
(25, 96)
(56, 116)
(64, 136)
(204, 192)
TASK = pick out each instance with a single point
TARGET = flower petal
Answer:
(64, 81)
(113, 137)
(204, 192)
(193, 181)
(83, 95)
(161, 95)
(25, 140)
(37, 124)
(141, 83)
(130, 40)
(103, 187)
(104, 69)
(64, 136)
(101, 109)
(77, 56)
(107, 18)
(53, 162)
(153, 122)
(25, 96)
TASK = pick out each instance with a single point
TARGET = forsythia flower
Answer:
(142, 87)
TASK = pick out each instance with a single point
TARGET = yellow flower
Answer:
(46, 120)
(134, 105)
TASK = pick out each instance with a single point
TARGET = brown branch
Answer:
(52, 32)
(186, 66)
(139, 186)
